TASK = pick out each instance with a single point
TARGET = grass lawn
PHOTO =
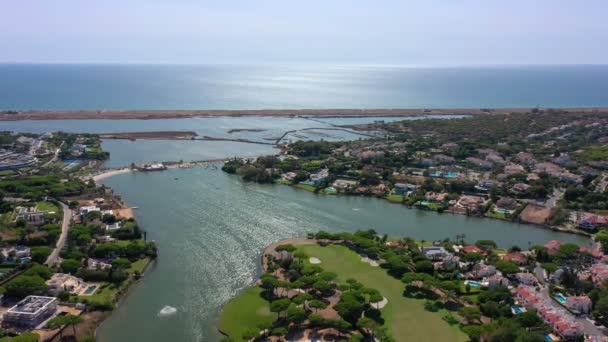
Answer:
(395, 198)
(138, 266)
(7, 173)
(245, 312)
(405, 317)
(104, 295)
(47, 206)
(496, 215)
(305, 187)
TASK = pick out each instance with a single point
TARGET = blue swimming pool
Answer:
(90, 290)
(473, 283)
(451, 175)
(517, 309)
(560, 298)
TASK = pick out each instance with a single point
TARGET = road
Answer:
(65, 226)
(54, 157)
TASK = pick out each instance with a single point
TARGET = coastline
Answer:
(9, 115)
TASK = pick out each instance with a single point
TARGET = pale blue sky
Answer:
(424, 32)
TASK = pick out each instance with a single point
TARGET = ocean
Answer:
(69, 86)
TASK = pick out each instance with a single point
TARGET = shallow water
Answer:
(211, 227)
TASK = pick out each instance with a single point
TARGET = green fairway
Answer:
(245, 312)
(405, 317)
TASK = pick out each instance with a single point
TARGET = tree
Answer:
(296, 314)
(70, 265)
(368, 325)
(424, 266)
(507, 267)
(24, 285)
(470, 314)
(40, 253)
(67, 320)
(317, 305)
(279, 306)
(40, 270)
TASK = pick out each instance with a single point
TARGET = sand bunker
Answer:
(372, 263)
(314, 261)
(167, 311)
(380, 304)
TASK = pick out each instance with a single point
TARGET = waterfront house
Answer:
(61, 282)
(435, 252)
(403, 188)
(89, 208)
(30, 312)
(114, 226)
(516, 257)
(553, 246)
(593, 222)
(472, 249)
(98, 264)
(469, 204)
(436, 196)
(344, 184)
(506, 205)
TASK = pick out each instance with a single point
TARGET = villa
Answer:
(98, 264)
(592, 222)
(435, 252)
(472, 249)
(61, 282)
(599, 274)
(31, 215)
(506, 205)
(526, 278)
(553, 246)
(19, 253)
(469, 204)
(580, 304)
(344, 184)
(497, 280)
(30, 312)
(114, 226)
(519, 188)
(403, 188)
(516, 257)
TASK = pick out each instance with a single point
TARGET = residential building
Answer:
(30, 311)
(599, 274)
(61, 282)
(20, 254)
(581, 304)
(506, 205)
(435, 252)
(526, 278)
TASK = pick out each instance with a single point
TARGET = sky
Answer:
(415, 33)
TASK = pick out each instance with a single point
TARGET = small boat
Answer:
(175, 178)
(134, 207)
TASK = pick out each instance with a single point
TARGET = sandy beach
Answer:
(173, 114)
(109, 173)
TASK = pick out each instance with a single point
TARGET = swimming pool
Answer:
(90, 290)
(451, 175)
(472, 283)
(560, 298)
(517, 309)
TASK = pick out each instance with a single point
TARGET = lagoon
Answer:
(210, 228)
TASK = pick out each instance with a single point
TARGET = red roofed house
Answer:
(472, 249)
(553, 246)
(516, 257)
